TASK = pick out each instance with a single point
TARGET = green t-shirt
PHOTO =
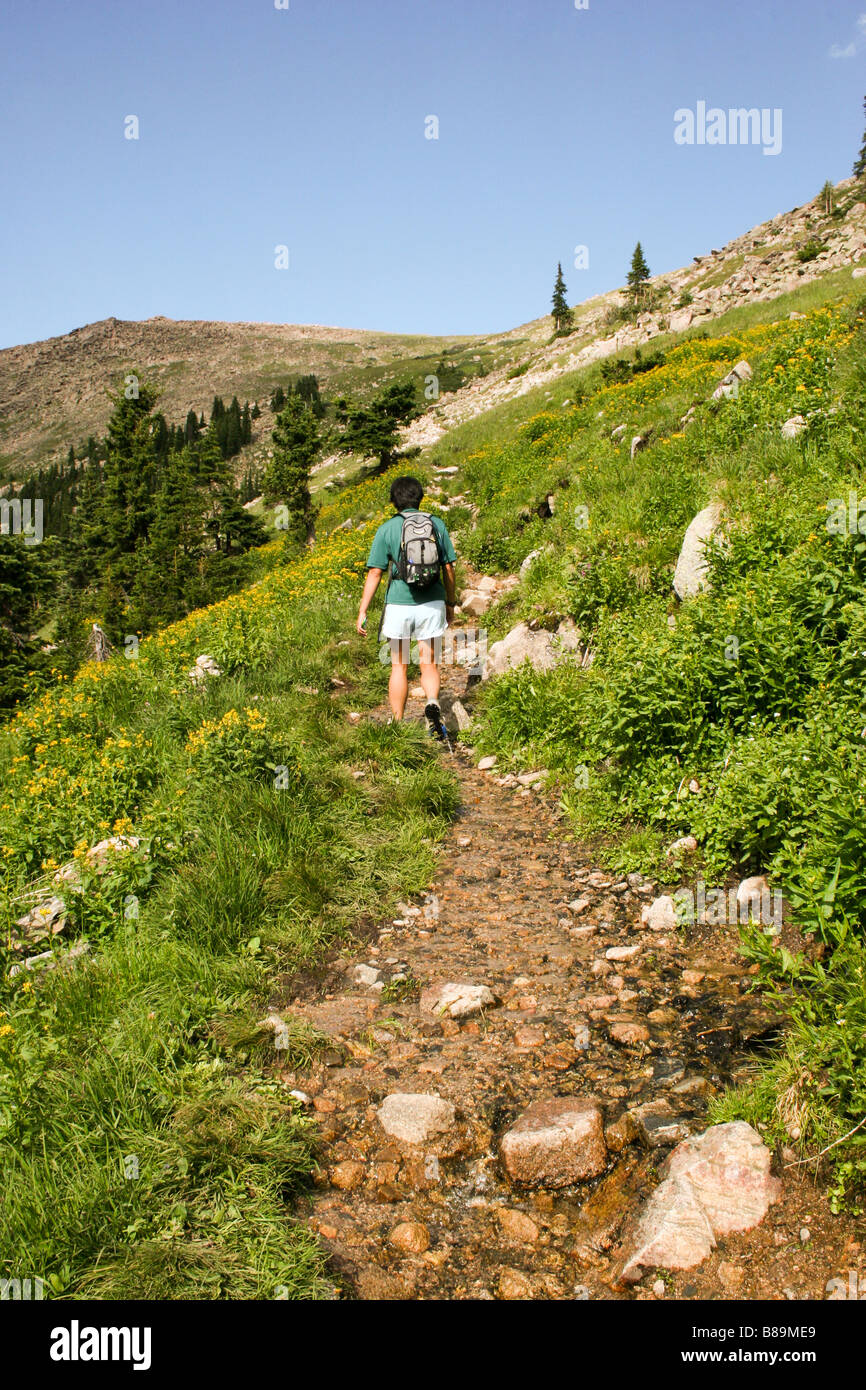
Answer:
(386, 546)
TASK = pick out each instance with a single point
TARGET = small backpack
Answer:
(418, 559)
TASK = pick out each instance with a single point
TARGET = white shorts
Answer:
(423, 621)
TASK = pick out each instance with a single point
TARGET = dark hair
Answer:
(406, 492)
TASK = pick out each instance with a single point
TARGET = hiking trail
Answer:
(666, 1026)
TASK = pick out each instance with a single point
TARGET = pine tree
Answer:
(827, 196)
(296, 447)
(638, 276)
(860, 162)
(562, 315)
(373, 431)
(192, 429)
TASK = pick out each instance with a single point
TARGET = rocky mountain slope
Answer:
(54, 392)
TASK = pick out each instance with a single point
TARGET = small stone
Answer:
(660, 914)
(622, 952)
(630, 1034)
(366, 975)
(457, 1000)
(692, 977)
(805, 1235)
(514, 1285)
(578, 905)
(416, 1118)
(556, 1142)
(687, 844)
(412, 1237)
(730, 1276)
(659, 1288)
(487, 764)
(347, 1176)
(517, 1226)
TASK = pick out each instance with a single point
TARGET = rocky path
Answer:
(563, 994)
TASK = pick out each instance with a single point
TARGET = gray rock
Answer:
(487, 763)
(527, 561)
(416, 1119)
(690, 575)
(461, 715)
(555, 1143)
(794, 426)
(660, 914)
(47, 916)
(730, 385)
(687, 844)
(366, 975)
(637, 443)
(458, 1000)
(521, 644)
(712, 1185)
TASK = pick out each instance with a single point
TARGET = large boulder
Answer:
(712, 1185)
(556, 1142)
(542, 649)
(690, 575)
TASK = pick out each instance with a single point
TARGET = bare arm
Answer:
(450, 589)
(371, 584)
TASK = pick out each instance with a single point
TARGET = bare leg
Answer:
(429, 671)
(398, 685)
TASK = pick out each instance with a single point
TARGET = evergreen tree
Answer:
(638, 276)
(860, 162)
(827, 195)
(192, 429)
(168, 561)
(373, 431)
(255, 412)
(287, 479)
(562, 315)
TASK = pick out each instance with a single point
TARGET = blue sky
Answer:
(305, 127)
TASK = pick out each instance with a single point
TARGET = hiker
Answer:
(417, 552)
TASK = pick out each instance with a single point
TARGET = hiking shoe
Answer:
(435, 722)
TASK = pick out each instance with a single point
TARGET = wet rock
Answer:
(660, 914)
(517, 1226)
(622, 952)
(657, 1125)
(457, 1000)
(416, 1118)
(629, 1034)
(514, 1285)
(348, 1175)
(713, 1184)
(578, 905)
(555, 1143)
(412, 1237)
(603, 1214)
(366, 975)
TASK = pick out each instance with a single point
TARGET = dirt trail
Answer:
(441, 1220)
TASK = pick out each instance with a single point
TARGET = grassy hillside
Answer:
(148, 1146)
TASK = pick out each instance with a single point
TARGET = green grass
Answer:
(149, 1145)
